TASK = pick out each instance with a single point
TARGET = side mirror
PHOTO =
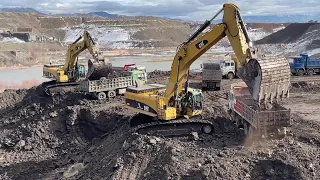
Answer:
(200, 65)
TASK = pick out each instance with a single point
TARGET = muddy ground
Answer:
(73, 136)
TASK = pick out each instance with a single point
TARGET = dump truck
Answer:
(256, 121)
(109, 87)
(303, 65)
(211, 75)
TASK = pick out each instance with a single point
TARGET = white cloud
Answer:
(44, 4)
(189, 9)
(62, 5)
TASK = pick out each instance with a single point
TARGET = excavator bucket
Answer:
(268, 78)
(98, 69)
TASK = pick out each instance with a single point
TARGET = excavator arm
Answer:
(77, 47)
(268, 78)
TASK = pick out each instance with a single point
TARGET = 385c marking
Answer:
(145, 108)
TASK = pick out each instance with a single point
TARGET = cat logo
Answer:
(201, 44)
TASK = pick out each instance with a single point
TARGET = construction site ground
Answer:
(73, 136)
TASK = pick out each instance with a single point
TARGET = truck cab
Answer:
(301, 65)
(228, 68)
(139, 76)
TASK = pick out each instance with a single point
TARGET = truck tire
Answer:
(230, 75)
(300, 72)
(102, 96)
(310, 72)
(112, 94)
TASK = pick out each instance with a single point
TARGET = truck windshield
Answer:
(141, 76)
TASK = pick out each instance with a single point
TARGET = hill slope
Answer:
(294, 39)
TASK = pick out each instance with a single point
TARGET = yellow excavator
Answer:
(159, 106)
(71, 73)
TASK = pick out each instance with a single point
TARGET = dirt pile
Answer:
(305, 86)
(71, 135)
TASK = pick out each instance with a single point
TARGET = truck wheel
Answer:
(112, 94)
(230, 75)
(300, 72)
(310, 72)
(102, 96)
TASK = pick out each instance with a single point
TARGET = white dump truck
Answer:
(211, 75)
(245, 112)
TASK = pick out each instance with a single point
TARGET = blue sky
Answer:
(183, 9)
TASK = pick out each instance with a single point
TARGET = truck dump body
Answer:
(244, 109)
(313, 63)
(263, 120)
(106, 84)
(211, 75)
(211, 72)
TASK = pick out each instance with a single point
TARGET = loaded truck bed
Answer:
(211, 75)
(106, 84)
(246, 113)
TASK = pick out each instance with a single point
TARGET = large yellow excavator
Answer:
(70, 73)
(267, 77)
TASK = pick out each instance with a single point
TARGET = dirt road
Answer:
(73, 136)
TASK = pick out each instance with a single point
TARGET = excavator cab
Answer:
(194, 102)
(79, 73)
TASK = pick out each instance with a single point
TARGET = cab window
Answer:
(297, 60)
(141, 76)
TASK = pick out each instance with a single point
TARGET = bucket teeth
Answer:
(268, 78)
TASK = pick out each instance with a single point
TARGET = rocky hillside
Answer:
(295, 39)
(119, 33)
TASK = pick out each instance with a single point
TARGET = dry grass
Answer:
(26, 84)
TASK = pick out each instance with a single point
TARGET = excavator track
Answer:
(51, 87)
(268, 78)
(178, 127)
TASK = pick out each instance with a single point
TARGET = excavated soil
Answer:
(72, 136)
